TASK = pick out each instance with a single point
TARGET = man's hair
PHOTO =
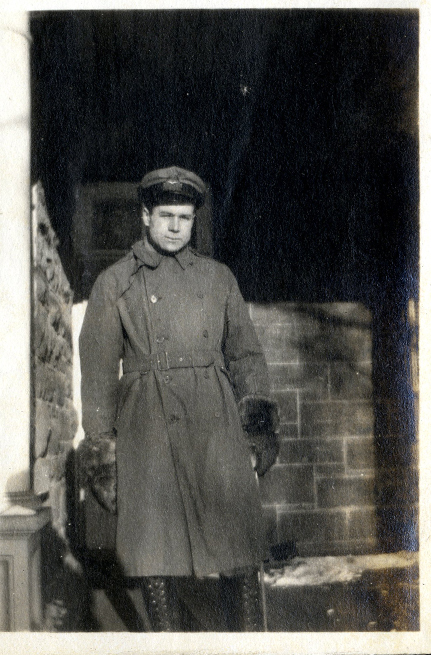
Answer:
(150, 201)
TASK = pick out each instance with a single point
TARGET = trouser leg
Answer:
(241, 602)
(161, 603)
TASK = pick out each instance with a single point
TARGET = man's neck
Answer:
(149, 246)
(158, 251)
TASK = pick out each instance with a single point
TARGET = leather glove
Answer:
(259, 418)
(266, 447)
(96, 456)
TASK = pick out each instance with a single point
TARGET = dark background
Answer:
(303, 122)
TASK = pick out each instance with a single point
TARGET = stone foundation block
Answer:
(285, 376)
(311, 451)
(315, 526)
(288, 485)
(288, 431)
(345, 492)
(329, 470)
(350, 380)
(288, 405)
(277, 343)
(361, 523)
(333, 418)
(360, 453)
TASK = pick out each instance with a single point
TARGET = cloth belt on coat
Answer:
(163, 361)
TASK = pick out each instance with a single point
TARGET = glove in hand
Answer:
(96, 456)
(259, 418)
(266, 447)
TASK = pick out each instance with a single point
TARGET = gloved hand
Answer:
(265, 447)
(259, 418)
(96, 457)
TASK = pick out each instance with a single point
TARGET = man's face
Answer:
(169, 227)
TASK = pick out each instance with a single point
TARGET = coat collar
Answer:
(153, 259)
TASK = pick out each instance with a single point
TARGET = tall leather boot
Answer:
(251, 618)
(161, 604)
(241, 602)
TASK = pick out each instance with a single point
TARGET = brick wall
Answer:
(321, 492)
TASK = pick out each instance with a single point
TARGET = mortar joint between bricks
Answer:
(298, 412)
(315, 494)
(347, 514)
(345, 455)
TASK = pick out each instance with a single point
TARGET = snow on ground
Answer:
(313, 571)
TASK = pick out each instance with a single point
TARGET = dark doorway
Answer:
(304, 124)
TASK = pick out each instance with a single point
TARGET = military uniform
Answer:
(193, 377)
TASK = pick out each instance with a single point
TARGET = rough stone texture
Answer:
(321, 492)
(55, 422)
(55, 417)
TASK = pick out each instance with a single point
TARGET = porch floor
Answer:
(313, 594)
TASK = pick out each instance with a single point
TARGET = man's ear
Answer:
(145, 216)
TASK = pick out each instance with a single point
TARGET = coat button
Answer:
(153, 299)
(217, 414)
(167, 379)
(205, 333)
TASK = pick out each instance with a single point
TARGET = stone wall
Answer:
(64, 590)
(321, 492)
(55, 417)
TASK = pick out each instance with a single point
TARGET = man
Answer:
(168, 444)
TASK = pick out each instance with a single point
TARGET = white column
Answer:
(15, 309)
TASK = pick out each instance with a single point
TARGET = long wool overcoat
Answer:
(187, 496)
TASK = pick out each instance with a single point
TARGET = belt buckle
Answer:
(163, 365)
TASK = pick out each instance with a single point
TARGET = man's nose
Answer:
(174, 224)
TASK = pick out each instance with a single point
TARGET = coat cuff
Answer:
(96, 451)
(96, 457)
(258, 414)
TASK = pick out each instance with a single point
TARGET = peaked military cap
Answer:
(172, 185)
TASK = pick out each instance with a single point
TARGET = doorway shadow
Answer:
(94, 550)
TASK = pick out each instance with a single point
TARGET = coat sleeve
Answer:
(100, 349)
(249, 373)
(243, 354)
